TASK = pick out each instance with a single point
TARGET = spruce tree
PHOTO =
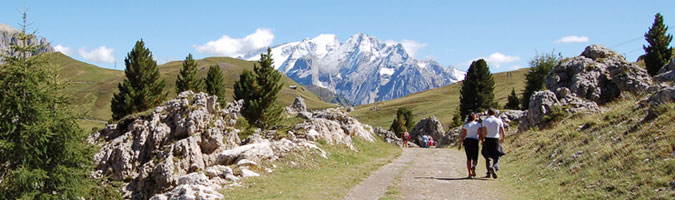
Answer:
(187, 78)
(43, 151)
(540, 66)
(260, 93)
(456, 119)
(513, 103)
(142, 89)
(657, 53)
(404, 120)
(215, 84)
(477, 91)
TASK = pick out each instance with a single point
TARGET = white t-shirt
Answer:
(472, 129)
(492, 124)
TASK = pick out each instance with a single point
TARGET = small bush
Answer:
(557, 114)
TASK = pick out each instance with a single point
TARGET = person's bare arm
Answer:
(482, 131)
(462, 138)
(501, 132)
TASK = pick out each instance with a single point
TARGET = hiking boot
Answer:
(494, 175)
(489, 172)
(473, 171)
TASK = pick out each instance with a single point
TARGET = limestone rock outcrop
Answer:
(388, 136)
(188, 148)
(580, 84)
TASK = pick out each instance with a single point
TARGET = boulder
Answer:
(388, 136)
(663, 96)
(255, 152)
(427, 126)
(248, 173)
(667, 72)
(299, 105)
(329, 131)
(192, 186)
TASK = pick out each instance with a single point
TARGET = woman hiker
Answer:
(493, 134)
(470, 136)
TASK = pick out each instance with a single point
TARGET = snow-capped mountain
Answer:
(363, 69)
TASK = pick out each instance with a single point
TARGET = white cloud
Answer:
(101, 54)
(572, 39)
(410, 46)
(235, 47)
(63, 49)
(494, 60)
(497, 59)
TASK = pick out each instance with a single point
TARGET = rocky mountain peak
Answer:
(7, 36)
(363, 69)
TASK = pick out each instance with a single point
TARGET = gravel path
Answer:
(428, 174)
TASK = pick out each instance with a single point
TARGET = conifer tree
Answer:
(404, 119)
(142, 89)
(513, 102)
(260, 92)
(215, 84)
(187, 78)
(540, 66)
(657, 53)
(477, 92)
(43, 152)
(456, 119)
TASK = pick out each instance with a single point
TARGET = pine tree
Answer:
(215, 84)
(404, 120)
(477, 92)
(513, 103)
(540, 66)
(260, 92)
(657, 53)
(456, 119)
(142, 89)
(43, 151)
(187, 78)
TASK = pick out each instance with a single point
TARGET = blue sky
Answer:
(507, 33)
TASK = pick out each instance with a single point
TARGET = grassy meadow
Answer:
(441, 102)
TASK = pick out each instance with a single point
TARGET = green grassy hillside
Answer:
(92, 87)
(611, 155)
(441, 102)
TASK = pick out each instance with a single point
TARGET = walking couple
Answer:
(490, 132)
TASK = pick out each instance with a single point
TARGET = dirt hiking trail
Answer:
(432, 173)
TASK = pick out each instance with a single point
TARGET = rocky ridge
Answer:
(188, 148)
(7, 36)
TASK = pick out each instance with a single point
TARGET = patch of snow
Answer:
(386, 71)
(421, 65)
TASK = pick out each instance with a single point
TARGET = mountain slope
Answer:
(363, 69)
(92, 87)
(440, 102)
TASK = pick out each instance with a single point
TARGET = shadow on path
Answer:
(453, 179)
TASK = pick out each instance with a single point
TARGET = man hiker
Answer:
(406, 138)
(493, 134)
(470, 136)
(425, 141)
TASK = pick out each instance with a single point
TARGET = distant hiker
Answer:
(470, 136)
(493, 134)
(425, 141)
(406, 138)
(431, 141)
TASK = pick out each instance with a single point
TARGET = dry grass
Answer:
(612, 155)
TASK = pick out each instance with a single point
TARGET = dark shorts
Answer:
(471, 148)
(492, 148)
